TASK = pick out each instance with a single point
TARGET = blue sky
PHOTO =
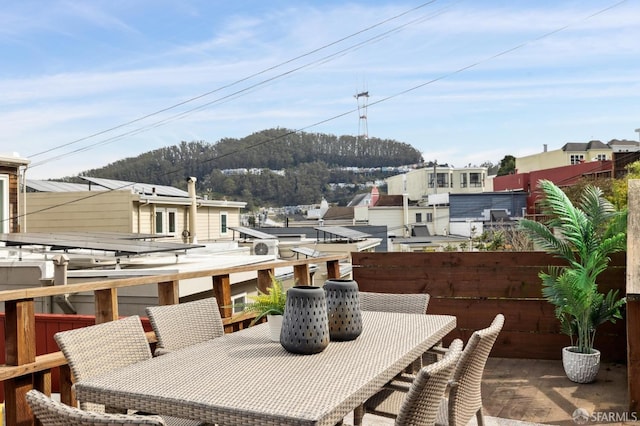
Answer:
(86, 83)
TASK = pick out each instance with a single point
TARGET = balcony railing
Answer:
(24, 369)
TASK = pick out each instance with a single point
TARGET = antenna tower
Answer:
(363, 129)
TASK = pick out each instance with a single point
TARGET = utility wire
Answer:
(235, 94)
(411, 89)
(326, 46)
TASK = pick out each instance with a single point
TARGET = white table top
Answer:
(244, 378)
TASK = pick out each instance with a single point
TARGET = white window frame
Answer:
(168, 220)
(576, 158)
(224, 223)
(238, 301)
(4, 203)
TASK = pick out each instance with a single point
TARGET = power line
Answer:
(239, 92)
(187, 101)
(411, 89)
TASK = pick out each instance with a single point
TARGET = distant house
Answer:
(12, 169)
(573, 153)
(418, 184)
(129, 207)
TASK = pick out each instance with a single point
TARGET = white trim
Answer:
(234, 301)
(4, 203)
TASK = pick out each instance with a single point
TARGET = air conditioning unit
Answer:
(265, 247)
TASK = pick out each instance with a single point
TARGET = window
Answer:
(418, 217)
(165, 220)
(441, 178)
(223, 223)
(577, 158)
(429, 217)
(4, 203)
(463, 180)
(475, 180)
(159, 222)
(238, 301)
(601, 157)
(172, 221)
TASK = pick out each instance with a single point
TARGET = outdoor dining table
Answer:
(244, 378)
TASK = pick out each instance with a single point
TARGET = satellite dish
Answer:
(261, 249)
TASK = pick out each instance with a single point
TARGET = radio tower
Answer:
(363, 101)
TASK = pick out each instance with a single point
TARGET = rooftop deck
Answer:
(538, 391)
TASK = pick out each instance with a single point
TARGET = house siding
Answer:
(80, 211)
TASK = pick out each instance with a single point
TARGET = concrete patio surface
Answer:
(517, 392)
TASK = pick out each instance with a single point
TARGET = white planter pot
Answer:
(275, 325)
(580, 368)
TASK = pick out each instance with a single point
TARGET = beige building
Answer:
(420, 183)
(128, 207)
(571, 153)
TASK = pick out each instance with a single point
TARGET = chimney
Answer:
(544, 147)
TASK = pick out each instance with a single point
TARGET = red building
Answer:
(561, 176)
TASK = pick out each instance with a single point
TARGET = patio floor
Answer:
(538, 391)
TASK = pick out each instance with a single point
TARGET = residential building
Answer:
(573, 153)
(418, 184)
(561, 176)
(129, 207)
(12, 168)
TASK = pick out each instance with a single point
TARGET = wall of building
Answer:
(79, 211)
(557, 158)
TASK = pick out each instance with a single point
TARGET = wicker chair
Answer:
(185, 324)
(98, 349)
(53, 413)
(391, 302)
(464, 397)
(408, 303)
(420, 401)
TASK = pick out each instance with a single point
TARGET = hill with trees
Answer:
(274, 167)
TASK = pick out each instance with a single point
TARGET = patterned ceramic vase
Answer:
(343, 309)
(305, 326)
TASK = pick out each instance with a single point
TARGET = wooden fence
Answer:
(475, 286)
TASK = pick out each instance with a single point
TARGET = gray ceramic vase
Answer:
(305, 326)
(343, 309)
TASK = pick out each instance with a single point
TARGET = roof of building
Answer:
(584, 146)
(336, 212)
(624, 142)
(13, 159)
(389, 201)
(140, 188)
(359, 199)
(53, 186)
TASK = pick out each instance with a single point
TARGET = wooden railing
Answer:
(24, 370)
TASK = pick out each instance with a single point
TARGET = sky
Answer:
(86, 83)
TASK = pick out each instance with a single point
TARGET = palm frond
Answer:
(584, 235)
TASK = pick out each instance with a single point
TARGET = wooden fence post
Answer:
(633, 295)
(20, 348)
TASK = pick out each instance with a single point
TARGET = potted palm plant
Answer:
(584, 235)
(269, 304)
